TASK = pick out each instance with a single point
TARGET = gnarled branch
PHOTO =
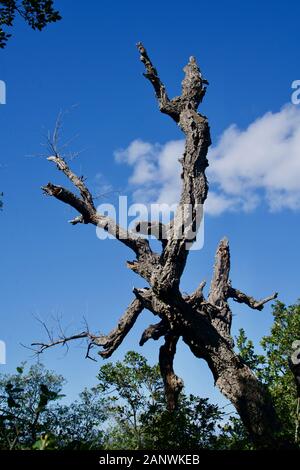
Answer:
(194, 162)
(220, 280)
(63, 340)
(156, 229)
(197, 297)
(111, 342)
(155, 332)
(88, 213)
(77, 181)
(221, 290)
(166, 105)
(173, 384)
(242, 298)
(66, 196)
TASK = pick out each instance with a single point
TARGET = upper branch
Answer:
(193, 90)
(88, 214)
(221, 288)
(166, 105)
(77, 181)
(220, 280)
(66, 196)
(194, 162)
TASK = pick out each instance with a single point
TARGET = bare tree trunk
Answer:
(203, 323)
(238, 384)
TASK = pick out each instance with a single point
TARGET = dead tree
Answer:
(204, 324)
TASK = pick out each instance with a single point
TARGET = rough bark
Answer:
(204, 324)
(112, 341)
(173, 383)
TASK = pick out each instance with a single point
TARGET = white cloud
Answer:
(135, 151)
(260, 164)
(155, 170)
(262, 161)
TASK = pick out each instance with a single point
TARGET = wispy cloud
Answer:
(260, 164)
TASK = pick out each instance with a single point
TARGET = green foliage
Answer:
(192, 426)
(126, 410)
(139, 418)
(79, 426)
(132, 380)
(24, 399)
(277, 374)
(36, 13)
(247, 353)
(233, 436)
(30, 416)
(131, 387)
(272, 368)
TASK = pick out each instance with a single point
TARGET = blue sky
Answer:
(249, 52)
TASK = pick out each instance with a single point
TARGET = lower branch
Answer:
(64, 340)
(109, 343)
(116, 336)
(242, 298)
(154, 332)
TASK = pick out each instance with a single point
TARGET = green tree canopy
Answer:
(273, 369)
(24, 401)
(36, 13)
(31, 417)
(126, 410)
(139, 415)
